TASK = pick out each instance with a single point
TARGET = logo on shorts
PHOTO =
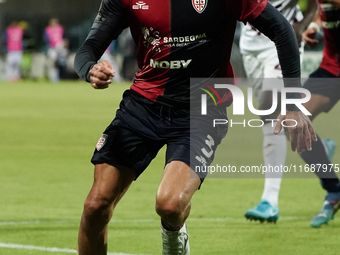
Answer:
(199, 5)
(101, 141)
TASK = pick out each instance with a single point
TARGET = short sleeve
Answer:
(246, 10)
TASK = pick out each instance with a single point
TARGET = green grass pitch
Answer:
(47, 135)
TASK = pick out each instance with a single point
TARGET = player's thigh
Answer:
(254, 70)
(52, 54)
(18, 57)
(177, 185)
(10, 59)
(180, 179)
(325, 90)
(131, 140)
(120, 146)
(197, 148)
(15, 57)
(317, 104)
(270, 100)
(271, 84)
(272, 71)
(252, 65)
(110, 184)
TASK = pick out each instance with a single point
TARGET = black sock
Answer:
(170, 228)
(328, 178)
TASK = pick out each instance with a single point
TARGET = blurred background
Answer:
(48, 134)
(76, 17)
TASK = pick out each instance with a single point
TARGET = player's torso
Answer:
(330, 16)
(253, 40)
(55, 35)
(14, 38)
(178, 40)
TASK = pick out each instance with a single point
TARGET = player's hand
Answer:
(301, 131)
(101, 75)
(309, 38)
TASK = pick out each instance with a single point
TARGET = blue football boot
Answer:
(264, 211)
(329, 208)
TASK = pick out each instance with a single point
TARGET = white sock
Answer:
(274, 154)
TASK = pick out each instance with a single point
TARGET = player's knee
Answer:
(170, 207)
(98, 208)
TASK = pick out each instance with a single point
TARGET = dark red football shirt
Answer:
(330, 17)
(177, 40)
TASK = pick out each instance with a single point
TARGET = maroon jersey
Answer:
(177, 40)
(330, 17)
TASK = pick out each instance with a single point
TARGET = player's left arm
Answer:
(335, 2)
(271, 23)
(308, 15)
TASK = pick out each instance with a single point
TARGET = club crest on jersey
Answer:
(199, 5)
(101, 142)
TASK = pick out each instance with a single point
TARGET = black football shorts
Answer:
(321, 82)
(142, 127)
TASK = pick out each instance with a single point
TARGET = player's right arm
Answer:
(109, 23)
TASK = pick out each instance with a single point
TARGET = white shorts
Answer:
(264, 64)
(52, 54)
(14, 57)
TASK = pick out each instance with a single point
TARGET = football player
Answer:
(324, 85)
(155, 111)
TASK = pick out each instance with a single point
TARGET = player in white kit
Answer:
(262, 66)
